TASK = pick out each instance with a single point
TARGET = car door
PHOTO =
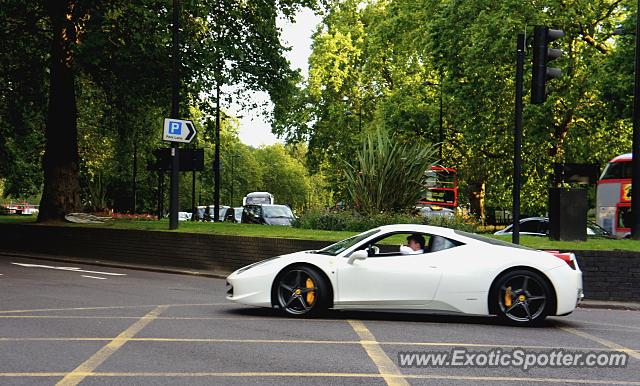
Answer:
(531, 227)
(403, 281)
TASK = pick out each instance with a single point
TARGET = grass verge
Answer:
(252, 230)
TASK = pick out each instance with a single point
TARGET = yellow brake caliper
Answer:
(311, 295)
(507, 297)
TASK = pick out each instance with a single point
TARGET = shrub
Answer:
(352, 221)
(388, 173)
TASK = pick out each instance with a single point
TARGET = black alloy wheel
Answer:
(301, 291)
(523, 298)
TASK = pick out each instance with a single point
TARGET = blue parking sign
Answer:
(178, 130)
(175, 128)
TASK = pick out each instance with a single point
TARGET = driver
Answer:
(415, 245)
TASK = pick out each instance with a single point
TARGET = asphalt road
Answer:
(94, 325)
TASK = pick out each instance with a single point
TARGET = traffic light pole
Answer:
(517, 142)
(216, 161)
(635, 174)
(175, 112)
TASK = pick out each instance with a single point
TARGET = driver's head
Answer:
(415, 241)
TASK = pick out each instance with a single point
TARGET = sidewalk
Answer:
(586, 303)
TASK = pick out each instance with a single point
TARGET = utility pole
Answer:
(517, 142)
(216, 162)
(175, 113)
(635, 162)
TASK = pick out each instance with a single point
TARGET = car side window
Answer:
(396, 245)
(529, 226)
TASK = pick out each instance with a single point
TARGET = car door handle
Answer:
(433, 266)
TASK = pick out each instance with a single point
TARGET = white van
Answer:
(258, 198)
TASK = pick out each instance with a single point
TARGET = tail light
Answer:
(567, 257)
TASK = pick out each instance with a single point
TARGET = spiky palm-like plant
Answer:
(388, 175)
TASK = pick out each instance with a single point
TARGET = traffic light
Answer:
(542, 55)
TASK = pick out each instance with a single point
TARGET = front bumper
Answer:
(249, 289)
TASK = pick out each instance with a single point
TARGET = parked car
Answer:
(206, 213)
(237, 214)
(184, 216)
(435, 211)
(539, 226)
(267, 214)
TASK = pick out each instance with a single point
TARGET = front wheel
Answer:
(523, 298)
(301, 291)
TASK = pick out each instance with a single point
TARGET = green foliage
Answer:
(122, 71)
(373, 59)
(458, 221)
(353, 221)
(389, 173)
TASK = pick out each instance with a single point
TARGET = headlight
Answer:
(253, 265)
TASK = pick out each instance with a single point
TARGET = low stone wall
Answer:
(184, 251)
(608, 275)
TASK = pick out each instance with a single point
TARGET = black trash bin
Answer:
(568, 214)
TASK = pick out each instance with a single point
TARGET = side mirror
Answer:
(358, 255)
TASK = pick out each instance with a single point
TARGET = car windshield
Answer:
(490, 240)
(597, 229)
(340, 246)
(279, 211)
(617, 170)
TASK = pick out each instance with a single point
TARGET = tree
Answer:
(283, 176)
(117, 50)
(379, 54)
(61, 191)
(22, 96)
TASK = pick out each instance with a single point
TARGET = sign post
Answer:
(176, 131)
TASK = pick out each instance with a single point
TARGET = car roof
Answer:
(264, 205)
(623, 158)
(419, 228)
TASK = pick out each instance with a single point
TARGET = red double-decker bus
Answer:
(613, 199)
(441, 188)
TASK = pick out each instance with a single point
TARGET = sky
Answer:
(254, 129)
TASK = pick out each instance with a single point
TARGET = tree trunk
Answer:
(61, 192)
(477, 200)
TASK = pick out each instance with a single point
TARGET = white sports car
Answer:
(456, 271)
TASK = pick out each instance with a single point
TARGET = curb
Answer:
(609, 305)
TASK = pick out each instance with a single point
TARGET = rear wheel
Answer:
(301, 291)
(523, 298)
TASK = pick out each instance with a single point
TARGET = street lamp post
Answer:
(233, 158)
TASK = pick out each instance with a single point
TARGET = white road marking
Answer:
(73, 269)
(95, 277)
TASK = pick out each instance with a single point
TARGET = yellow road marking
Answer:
(54, 339)
(73, 378)
(388, 370)
(620, 328)
(609, 324)
(286, 341)
(113, 307)
(602, 341)
(165, 318)
(337, 375)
